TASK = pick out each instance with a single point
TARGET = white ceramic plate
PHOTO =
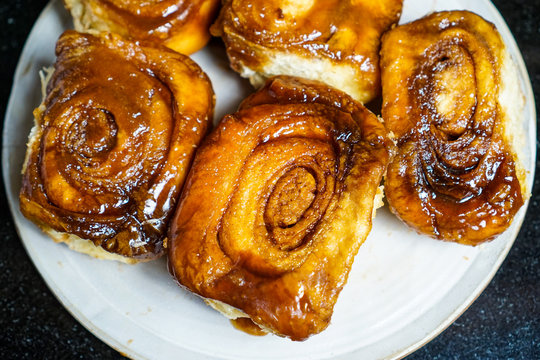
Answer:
(403, 290)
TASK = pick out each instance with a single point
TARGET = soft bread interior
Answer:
(227, 310)
(231, 312)
(512, 102)
(84, 18)
(283, 63)
(85, 246)
(344, 77)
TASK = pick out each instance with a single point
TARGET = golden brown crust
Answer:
(182, 25)
(277, 203)
(329, 40)
(113, 141)
(454, 176)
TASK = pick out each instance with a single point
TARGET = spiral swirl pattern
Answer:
(181, 25)
(455, 174)
(114, 139)
(277, 203)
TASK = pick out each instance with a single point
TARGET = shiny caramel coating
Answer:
(182, 25)
(113, 141)
(456, 175)
(277, 203)
(336, 41)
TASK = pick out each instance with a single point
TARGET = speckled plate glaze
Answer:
(403, 290)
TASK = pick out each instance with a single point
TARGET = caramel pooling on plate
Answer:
(277, 203)
(457, 175)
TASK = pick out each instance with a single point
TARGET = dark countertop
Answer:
(503, 323)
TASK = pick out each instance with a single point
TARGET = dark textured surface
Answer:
(504, 323)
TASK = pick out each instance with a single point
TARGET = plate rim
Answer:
(398, 354)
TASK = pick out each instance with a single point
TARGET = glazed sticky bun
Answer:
(277, 203)
(333, 41)
(112, 143)
(182, 25)
(451, 97)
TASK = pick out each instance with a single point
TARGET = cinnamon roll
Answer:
(333, 41)
(182, 25)
(112, 143)
(277, 203)
(451, 97)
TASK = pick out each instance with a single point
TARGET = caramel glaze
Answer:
(146, 18)
(113, 141)
(277, 203)
(342, 31)
(159, 20)
(454, 176)
(248, 326)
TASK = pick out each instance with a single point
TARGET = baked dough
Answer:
(277, 203)
(112, 143)
(451, 96)
(181, 25)
(333, 41)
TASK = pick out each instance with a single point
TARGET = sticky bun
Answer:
(451, 97)
(333, 41)
(277, 203)
(182, 25)
(112, 143)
